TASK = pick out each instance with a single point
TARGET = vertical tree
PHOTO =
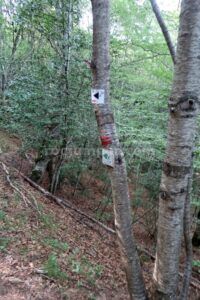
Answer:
(177, 169)
(8, 46)
(187, 210)
(2, 84)
(64, 13)
(100, 66)
(164, 29)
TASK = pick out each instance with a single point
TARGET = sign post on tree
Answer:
(113, 156)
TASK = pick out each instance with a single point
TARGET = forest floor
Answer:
(50, 252)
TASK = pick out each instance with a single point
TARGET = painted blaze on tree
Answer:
(100, 67)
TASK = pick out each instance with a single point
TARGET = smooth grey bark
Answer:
(177, 169)
(100, 66)
(187, 218)
(188, 241)
(164, 29)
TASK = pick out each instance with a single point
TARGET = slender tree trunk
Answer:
(7, 68)
(164, 29)
(177, 169)
(3, 87)
(66, 44)
(64, 12)
(2, 67)
(100, 67)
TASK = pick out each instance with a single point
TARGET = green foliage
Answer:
(101, 213)
(17, 198)
(141, 77)
(56, 244)
(85, 268)
(196, 263)
(48, 88)
(47, 220)
(72, 170)
(4, 242)
(2, 215)
(5, 201)
(196, 202)
(153, 172)
(21, 219)
(52, 268)
(37, 100)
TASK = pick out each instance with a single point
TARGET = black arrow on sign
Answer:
(96, 95)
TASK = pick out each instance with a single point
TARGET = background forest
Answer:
(45, 81)
(45, 84)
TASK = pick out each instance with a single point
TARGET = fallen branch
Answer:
(15, 188)
(65, 203)
(12, 185)
(34, 201)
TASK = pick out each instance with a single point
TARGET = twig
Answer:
(25, 199)
(12, 185)
(35, 204)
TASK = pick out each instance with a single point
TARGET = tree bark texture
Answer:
(100, 66)
(188, 241)
(187, 218)
(177, 169)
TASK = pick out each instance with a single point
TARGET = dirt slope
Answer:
(88, 260)
(47, 252)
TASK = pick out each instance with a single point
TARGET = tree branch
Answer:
(164, 29)
(65, 204)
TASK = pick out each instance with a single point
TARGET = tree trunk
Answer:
(2, 68)
(64, 11)
(183, 107)
(188, 241)
(64, 14)
(164, 29)
(39, 170)
(123, 222)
